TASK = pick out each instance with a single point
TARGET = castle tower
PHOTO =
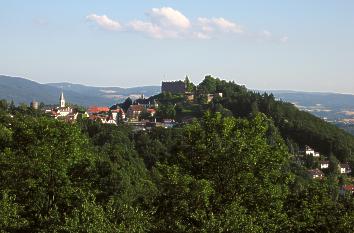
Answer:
(62, 100)
(34, 105)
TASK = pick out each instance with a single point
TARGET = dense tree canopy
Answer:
(233, 169)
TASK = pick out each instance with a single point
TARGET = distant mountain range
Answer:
(331, 106)
(333, 100)
(22, 90)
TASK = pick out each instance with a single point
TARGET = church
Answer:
(63, 111)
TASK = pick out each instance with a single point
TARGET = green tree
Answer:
(38, 165)
(244, 160)
(183, 202)
(126, 104)
(3, 105)
(189, 85)
(10, 212)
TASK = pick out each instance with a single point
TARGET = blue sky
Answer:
(297, 45)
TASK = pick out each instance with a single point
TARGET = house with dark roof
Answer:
(315, 173)
(134, 112)
(344, 168)
(324, 164)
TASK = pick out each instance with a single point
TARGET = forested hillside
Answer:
(297, 127)
(22, 90)
(217, 174)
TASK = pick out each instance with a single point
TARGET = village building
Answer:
(315, 173)
(324, 164)
(118, 113)
(105, 115)
(151, 111)
(147, 103)
(134, 112)
(104, 119)
(62, 111)
(309, 151)
(96, 110)
(34, 105)
(210, 97)
(347, 189)
(344, 168)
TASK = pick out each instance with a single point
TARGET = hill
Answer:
(333, 100)
(298, 128)
(333, 107)
(22, 90)
(116, 93)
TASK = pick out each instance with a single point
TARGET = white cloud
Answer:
(162, 23)
(167, 22)
(167, 17)
(266, 34)
(146, 27)
(105, 22)
(284, 39)
(201, 35)
(218, 24)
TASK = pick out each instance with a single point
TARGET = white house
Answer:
(324, 164)
(118, 113)
(344, 168)
(309, 151)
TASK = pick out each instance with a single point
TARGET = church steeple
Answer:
(62, 100)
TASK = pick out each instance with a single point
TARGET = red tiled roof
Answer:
(151, 110)
(137, 108)
(95, 109)
(348, 187)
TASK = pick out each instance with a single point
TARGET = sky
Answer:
(269, 45)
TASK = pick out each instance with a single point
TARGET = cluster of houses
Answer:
(61, 112)
(132, 117)
(113, 115)
(317, 173)
(141, 108)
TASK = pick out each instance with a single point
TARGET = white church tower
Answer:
(62, 100)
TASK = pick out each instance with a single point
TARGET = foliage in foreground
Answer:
(219, 174)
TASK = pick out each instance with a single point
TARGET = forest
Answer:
(232, 169)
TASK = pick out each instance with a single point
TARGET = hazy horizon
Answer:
(301, 46)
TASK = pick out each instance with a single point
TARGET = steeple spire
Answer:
(62, 100)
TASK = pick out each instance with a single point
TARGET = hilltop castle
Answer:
(177, 87)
